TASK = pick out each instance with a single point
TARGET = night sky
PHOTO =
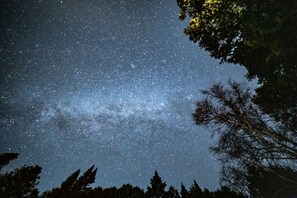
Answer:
(106, 82)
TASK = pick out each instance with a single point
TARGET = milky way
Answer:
(110, 83)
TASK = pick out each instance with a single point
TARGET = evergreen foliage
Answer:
(195, 190)
(183, 192)
(22, 183)
(74, 186)
(157, 188)
(172, 193)
(5, 158)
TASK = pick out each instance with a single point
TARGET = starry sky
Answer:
(106, 82)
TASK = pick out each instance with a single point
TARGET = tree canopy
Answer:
(259, 35)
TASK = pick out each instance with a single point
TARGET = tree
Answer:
(184, 192)
(86, 179)
(195, 190)
(259, 35)
(21, 182)
(69, 183)
(157, 188)
(246, 136)
(172, 193)
(127, 190)
(74, 186)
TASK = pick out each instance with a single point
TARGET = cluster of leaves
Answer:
(22, 183)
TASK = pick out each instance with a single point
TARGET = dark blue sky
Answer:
(105, 82)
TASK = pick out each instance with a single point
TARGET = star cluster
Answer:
(110, 83)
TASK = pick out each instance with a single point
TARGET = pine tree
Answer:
(184, 192)
(74, 186)
(86, 179)
(172, 193)
(157, 188)
(21, 182)
(69, 183)
(195, 190)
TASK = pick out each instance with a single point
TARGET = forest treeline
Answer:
(22, 182)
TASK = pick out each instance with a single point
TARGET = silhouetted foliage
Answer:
(127, 190)
(70, 181)
(183, 192)
(195, 190)
(275, 181)
(172, 193)
(74, 186)
(157, 188)
(21, 182)
(208, 194)
(225, 192)
(259, 35)
(5, 158)
(246, 136)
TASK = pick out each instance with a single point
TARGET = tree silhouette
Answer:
(86, 179)
(127, 190)
(184, 192)
(69, 183)
(225, 192)
(21, 182)
(195, 190)
(259, 35)
(172, 193)
(74, 186)
(208, 194)
(247, 137)
(157, 188)
(5, 158)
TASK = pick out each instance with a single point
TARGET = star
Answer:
(107, 83)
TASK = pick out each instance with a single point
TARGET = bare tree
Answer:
(247, 137)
